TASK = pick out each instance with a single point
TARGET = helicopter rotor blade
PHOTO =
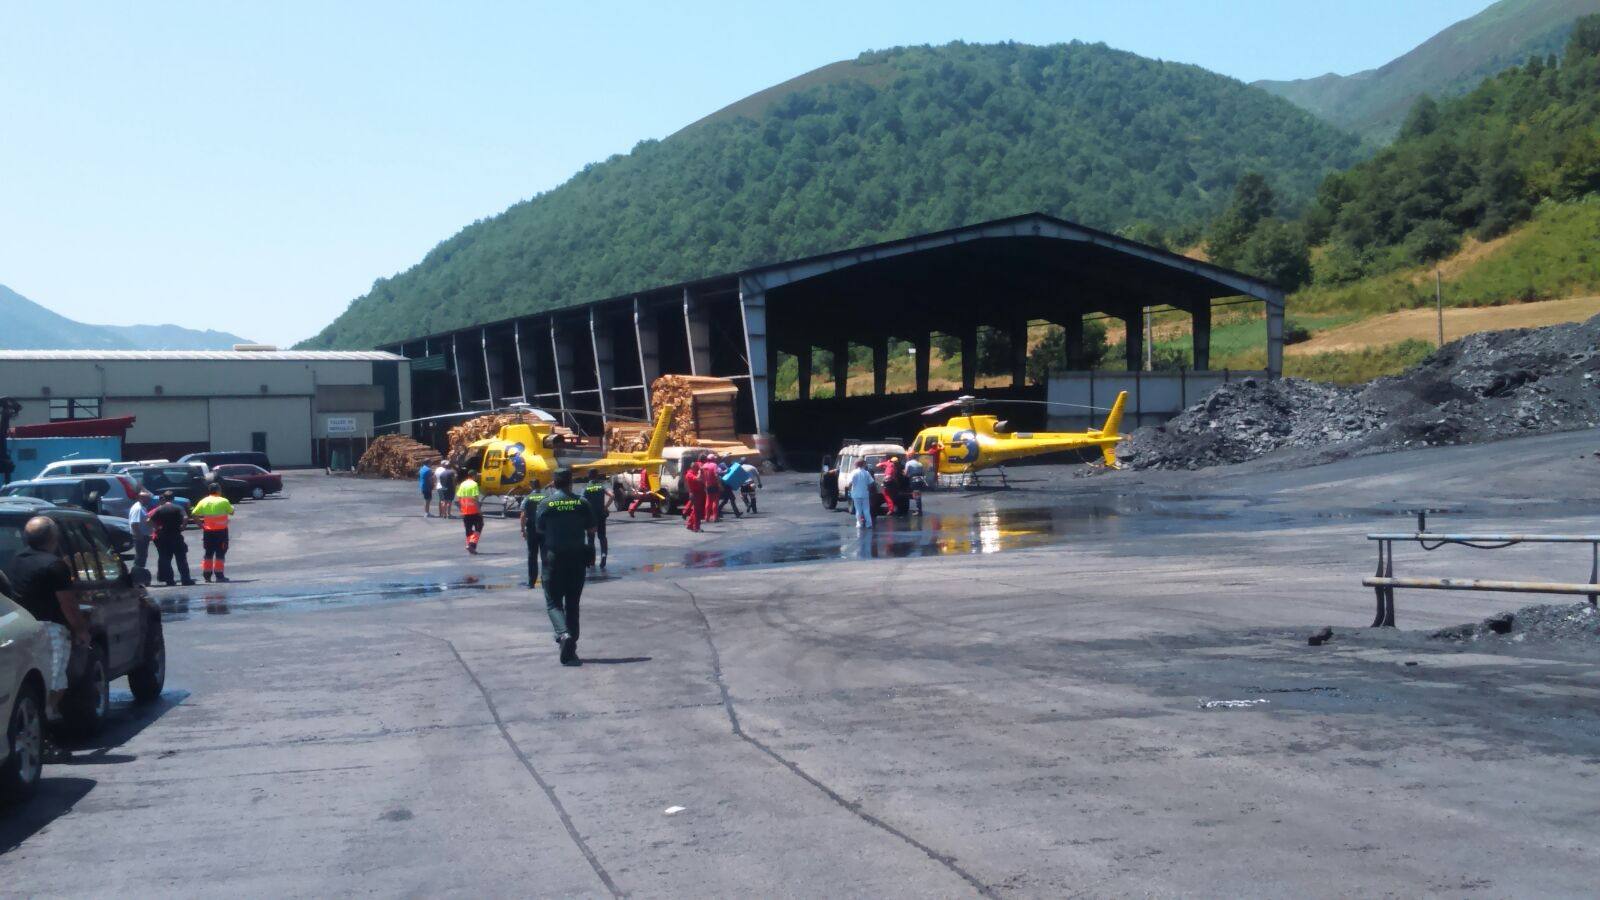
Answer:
(1053, 403)
(896, 415)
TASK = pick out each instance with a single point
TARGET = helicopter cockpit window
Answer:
(551, 441)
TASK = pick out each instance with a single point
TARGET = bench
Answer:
(1384, 582)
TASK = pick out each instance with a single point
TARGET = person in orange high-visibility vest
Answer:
(213, 512)
(470, 499)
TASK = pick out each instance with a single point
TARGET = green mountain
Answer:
(25, 325)
(1374, 103)
(1478, 164)
(890, 144)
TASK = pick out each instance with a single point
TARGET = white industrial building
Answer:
(299, 407)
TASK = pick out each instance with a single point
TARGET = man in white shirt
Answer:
(861, 494)
(139, 524)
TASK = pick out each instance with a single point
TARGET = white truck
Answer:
(625, 486)
(834, 486)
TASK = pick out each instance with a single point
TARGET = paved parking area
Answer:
(1004, 699)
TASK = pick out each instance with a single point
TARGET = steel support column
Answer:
(527, 384)
(969, 357)
(488, 369)
(1072, 332)
(753, 311)
(1019, 352)
(603, 345)
(561, 356)
(1201, 329)
(697, 325)
(1275, 338)
(924, 345)
(841, 368)
(647, 337)
(802, 371)
(1133, 328)
(880, 365)
(455, 363)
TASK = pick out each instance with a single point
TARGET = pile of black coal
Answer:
(1481, 388)
(1543, 622)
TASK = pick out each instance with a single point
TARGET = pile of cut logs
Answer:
(395, 456)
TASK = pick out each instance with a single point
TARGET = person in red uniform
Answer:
(213, 513)
(711, 483)
(934, 451)
(646, 494)
(891, 472)
(697, 496)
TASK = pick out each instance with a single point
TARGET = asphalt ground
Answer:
(1006, 697)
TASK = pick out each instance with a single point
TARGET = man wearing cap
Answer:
(565, 523)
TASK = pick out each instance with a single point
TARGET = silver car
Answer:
(111, 495)
(24, 662)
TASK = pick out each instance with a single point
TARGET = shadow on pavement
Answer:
(55, 799)
(615, 661)
(123, 723)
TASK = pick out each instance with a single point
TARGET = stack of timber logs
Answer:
(395, 456)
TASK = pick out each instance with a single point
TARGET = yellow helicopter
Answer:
(523, 455)
(969, 442)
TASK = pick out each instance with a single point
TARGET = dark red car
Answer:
(260, 481)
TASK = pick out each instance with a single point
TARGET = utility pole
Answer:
(1438, 303)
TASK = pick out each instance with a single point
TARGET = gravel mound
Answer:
(1483, 387)
(1545, 622)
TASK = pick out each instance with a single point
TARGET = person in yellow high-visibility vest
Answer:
(213, 511)
(470, 499)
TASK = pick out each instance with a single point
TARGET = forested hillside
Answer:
(1374, 103)
(895, 143)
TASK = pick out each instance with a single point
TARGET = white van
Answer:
(75, 467)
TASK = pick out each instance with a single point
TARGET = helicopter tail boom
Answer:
(658, 437)
(1111, 430)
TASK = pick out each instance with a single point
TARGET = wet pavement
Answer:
(1024, 692)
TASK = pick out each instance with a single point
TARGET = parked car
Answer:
(259, 480)
(117, 527)
(186, 481)
(74, 467)
(124, 623)
(216, 458)
(835, 484)
(24, 660)
(121, 468)
(112, 495)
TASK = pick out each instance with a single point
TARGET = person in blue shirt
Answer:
(425, 483)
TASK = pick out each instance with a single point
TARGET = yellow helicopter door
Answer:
(492, 466)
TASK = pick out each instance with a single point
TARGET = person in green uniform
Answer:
(565, 523)
(530, 534)
(599, 497)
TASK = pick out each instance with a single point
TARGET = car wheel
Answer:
(147, 680)
(19, 775)
(257, 492)
(87, 702)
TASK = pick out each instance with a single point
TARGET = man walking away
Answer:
(752, 483)
(861, 494)
(470, 499)
(425, 484)
(444, 485)
(914, 472)
(697, 495)
(42, 581)
(167, 520)
(733, 476)
(564, 522)
(213, 512)
(139, 524)
(530, 535)
(594, 491)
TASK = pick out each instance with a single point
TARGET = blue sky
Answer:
(253, 167)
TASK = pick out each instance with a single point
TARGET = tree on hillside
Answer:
(1252, 201)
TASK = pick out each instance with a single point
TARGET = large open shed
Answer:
(602, 355)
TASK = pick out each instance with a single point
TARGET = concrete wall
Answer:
(1153, 397)
(285, 420)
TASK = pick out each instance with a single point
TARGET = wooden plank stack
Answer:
(703, 408)
(395, 456)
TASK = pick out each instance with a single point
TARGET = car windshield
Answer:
(10, 539)
(176, 476)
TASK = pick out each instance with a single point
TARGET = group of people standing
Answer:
(162, 524)
(437, 481)
(716, 483)
(904, 480)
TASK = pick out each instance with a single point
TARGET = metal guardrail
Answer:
(1385, 582)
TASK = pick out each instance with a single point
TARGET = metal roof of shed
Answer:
(206, 355)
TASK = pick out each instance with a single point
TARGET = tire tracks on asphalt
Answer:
(547, 787)
(945, 860)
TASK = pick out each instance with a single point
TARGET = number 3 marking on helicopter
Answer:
(969, 440)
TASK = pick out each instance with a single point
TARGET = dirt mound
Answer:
(1483, 387)
(1544, 622)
